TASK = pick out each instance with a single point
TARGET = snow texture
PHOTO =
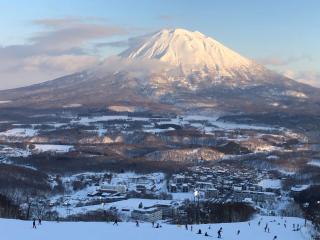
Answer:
(17, 230)
(52, 148)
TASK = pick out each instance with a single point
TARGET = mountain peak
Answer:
(179, 31)
(187, 49)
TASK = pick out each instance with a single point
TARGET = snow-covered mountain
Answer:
(193, 61)
(172, 69)
(191, 51)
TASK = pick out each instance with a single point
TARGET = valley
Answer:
(76, 165)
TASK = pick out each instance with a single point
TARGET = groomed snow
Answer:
(270, 183)
(192, 120)
(18, 230)
(13, 152)
(20, 132)
(52, 148)
(299, 188)
(314, 162)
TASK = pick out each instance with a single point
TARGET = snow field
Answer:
(18, 230)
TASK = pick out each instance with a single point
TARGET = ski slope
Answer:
(18, 230)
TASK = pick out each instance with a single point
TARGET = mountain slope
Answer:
(180, 47)
(126, 230)
(193, 52)
(173, 69)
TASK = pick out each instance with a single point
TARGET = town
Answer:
(157, 196)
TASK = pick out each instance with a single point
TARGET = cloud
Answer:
(118, 44)
(135, 67)
(56, 22)
(67, 33)
(61, 47)
(64, 63)
(281, 61)
(280, 64)
(309, 77)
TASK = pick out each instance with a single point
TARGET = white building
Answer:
(113, 188)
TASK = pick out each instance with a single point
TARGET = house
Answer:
(237, 188)
(211, 193)
(167, 209)
(179, 179)
(113, 188)
(185, 187)
(173, 188)
(255, 196)
(204, 185)
(94, 194)
(147, 215)
(141, 188)
(142, 180)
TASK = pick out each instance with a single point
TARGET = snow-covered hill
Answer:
(18, 230)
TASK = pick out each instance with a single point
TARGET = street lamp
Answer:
(197, 195)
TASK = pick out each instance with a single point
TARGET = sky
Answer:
(41, 40)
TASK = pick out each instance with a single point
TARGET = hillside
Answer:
(82, 230)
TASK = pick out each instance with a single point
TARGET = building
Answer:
(211, 193)
(167, 210)
(141, 188)
(185, 187)
(113, 188)
(173, 188)
(255, 196)
(204, 185)
(147, 215)
(143, 180)
(179, 179)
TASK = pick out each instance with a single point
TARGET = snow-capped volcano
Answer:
(172, 69)
(191, 51)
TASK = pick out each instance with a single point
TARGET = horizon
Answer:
(50, 40)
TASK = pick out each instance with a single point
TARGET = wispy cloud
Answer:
(282, 61)
(68, 33)
(118, 44)
(66, 62)
(61, 47)
(308, 77)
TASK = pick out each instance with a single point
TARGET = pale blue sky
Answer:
(283, 34)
